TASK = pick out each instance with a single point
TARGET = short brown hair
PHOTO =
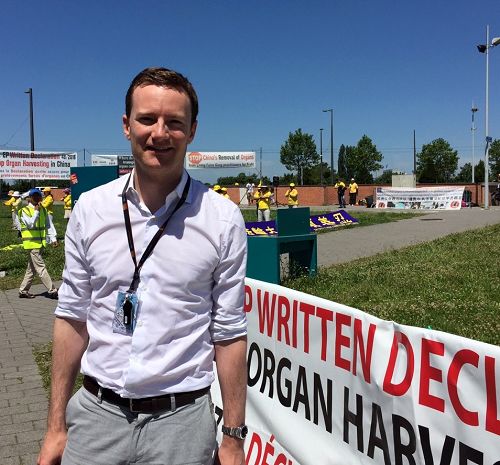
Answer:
(163, 77)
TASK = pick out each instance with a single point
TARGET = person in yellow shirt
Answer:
(47, 202)
(223, 192)
(292, 195)
(353, 192)
(14, 203)
(66, 198)
(340, 186)
(263, 199)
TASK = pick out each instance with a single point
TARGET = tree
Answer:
(494, 158)
(384, 178)
(479, 172)
(241, 179)
(465, 173)
(342, 162)
(299, 152)
(437, 162)
(362, 160)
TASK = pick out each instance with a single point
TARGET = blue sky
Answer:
(261, 69)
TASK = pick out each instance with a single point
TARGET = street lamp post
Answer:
(484, 48)
(32, 131)
(321, 155)
(473, 130)
(331, 139)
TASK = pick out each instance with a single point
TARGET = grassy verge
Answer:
(450, 284)
(42, 354)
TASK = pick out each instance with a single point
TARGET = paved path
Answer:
(349, 244)
(25, 323)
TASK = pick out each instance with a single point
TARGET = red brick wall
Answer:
(327, 195)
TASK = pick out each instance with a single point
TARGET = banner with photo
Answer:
(36, 165)
(420, 198)
(125, 163)
(195, 160)
(326, 220)
(329, 383)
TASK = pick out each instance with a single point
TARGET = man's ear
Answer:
(193, 131)
(126, 126)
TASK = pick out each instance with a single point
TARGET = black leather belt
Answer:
(147, 404)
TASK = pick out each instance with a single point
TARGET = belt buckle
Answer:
(131, 406)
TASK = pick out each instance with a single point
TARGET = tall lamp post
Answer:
(331, 139)
(473, 130)
(484, 48)
(32, 131)
(321, 156)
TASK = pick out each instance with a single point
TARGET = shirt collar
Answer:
(176, 193)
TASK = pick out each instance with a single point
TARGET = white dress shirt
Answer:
(191, 290)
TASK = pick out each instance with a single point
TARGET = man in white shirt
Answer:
(152, 292)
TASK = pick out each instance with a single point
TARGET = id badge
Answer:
(125, 313)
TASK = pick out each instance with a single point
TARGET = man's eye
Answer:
(146, 120)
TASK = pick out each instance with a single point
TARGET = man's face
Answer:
(36, 199)
(159, 129)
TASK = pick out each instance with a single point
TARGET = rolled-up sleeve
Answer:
(228, 316)
(75, 291)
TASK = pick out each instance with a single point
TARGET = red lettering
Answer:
(365, 355)
(461, 358)
(326, 316)
(254, 442)
(341, 340)
(492, 420)
(283, 318)
(307, 310)
(428, 372)
(294, 325)
(248, 299)
(404, 385)
(266, 313)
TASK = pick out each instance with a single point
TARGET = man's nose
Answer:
(161, 130)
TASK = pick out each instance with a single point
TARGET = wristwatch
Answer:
(239, 432)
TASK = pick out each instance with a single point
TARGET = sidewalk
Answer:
(25, 323)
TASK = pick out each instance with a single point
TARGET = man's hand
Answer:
(52, 448)
(230, 452)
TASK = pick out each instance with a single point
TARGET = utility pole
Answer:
(321, 156)
(330, 110)
(260, 170)
(473, 130)
(32, 131)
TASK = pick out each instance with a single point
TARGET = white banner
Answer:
(196, 160)
(36, 165)
(329, 384)
(420, 198)
(104, 160)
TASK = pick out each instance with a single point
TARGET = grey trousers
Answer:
(105, 434)
(264, 215)
(36, 265)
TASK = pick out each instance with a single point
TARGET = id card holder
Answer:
(125, 313)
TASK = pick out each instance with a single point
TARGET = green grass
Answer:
(450, 284)
(14, 262)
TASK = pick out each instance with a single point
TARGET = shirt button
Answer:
(139, 323)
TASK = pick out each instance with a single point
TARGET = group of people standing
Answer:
(341, 188)
(35, 226)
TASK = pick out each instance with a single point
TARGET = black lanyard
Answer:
(156, 238)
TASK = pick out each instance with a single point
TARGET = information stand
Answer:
(85, 178)
(294, 238)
